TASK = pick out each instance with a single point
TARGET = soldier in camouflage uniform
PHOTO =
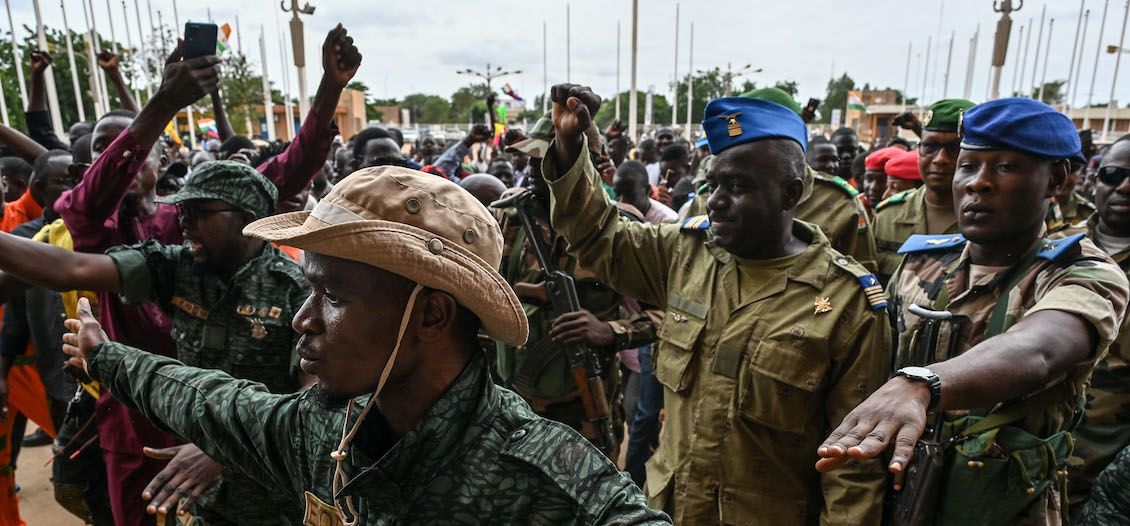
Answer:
(927, 209)
(402, 267)
(769, 335)
(1069, 208)
(828, 201)
(603, 325)
(1061, 302)
(230, 298)
(1110, 502)
(1105, 429)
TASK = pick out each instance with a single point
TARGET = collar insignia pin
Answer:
(823, 305)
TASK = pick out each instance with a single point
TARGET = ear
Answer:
(1059, 171)
(436, 311)
(791, 193)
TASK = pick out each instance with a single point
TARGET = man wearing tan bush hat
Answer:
(402, 267)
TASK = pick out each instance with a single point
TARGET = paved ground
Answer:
(37, 503)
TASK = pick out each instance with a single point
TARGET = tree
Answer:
(660, 109)
(429, 109)
(1053, 92)
(468, 104)
(242, 91)
(836, 98)
(787, 86)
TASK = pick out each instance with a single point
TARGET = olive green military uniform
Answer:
(830, 203)
(1076, 210)
(1069, 275)
(479, 456)
(240, 326)
(555, 395)
(1105, 429)
(896, 219)
(758, 360)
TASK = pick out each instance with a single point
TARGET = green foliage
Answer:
(1053, 92)
(836, 98)
(661, 109)
(468, 104)
(426, 108)
(242, 91)
(788, 86)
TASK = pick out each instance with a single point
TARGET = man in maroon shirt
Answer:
(115, 204)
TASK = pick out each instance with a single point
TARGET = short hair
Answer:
(817, 140)
(16, 167)
(676, 152)
(80, 149)
(844, 131)
(121, 112)
(44, 158)
(390, 161)
(234, 144)
(364, 136)
(900, 140)
(633, 168)
(397, 136)
(648, 144)
(620, 138)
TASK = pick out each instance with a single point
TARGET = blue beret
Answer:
(1020, 124)
(732, 121)
(701, 142)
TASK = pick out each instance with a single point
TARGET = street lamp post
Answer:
(299, 47)
(730, 74)
(488, 75)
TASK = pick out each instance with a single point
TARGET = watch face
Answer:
(917, 372)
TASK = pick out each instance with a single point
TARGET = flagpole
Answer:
(633, 113)
(690, 85)
(1016, 68)
(568, 45)
(94, 65)
(1095, 69)
(48, 75)
(1039, 40)
(971, 63)
(132, 54)
(141, 48)
(3, 105)
(949, 62)
(1079, 63)
(287, 105)
(16, 56)
(906, 76)
(1024, 66)
(617, 70)
(92, 61)
(1114, 79)
(188, 108)
(1047, 55)
(113, 35)
(71, 60)
(675, 73)
(1074, 51)
(268, 104)
(544, 69)
(925, 67)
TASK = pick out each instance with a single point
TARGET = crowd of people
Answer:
(566, 325)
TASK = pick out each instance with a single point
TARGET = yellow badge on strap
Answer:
(319, 513)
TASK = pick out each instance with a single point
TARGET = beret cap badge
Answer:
(733, 127)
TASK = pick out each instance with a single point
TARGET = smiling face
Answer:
(754, 188)
(1113, 200)
(1001, 195)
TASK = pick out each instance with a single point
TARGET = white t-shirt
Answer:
(653, 174)
(660, 213)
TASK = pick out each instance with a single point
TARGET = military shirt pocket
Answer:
(677, 338)
(782, 385)
(262, 352)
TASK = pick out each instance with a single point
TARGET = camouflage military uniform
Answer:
(479, 456)
(241, 327)
(896, 219)
(1076, 210)
(1105, 429)
(833, 205)
(757, 360)
(1110, 502)
(1069, 275)
(555, 395)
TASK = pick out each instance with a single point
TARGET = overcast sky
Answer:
(416, 46)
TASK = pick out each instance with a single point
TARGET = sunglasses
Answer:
(930, 149)
(1113, 175)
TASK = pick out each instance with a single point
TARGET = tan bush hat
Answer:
(416, 225)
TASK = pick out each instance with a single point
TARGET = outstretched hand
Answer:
(85, 334)
(340, 57)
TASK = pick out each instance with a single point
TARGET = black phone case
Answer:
(199, 40)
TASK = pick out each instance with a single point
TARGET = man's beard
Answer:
(327, 400)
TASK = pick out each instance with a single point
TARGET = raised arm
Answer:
(55, 268)
(451, 158)
(39, 127)
(293, 169)
(39, 61)
(110, 63)
(223, 125)
(236, 422)
(21, 145)
(630, 257)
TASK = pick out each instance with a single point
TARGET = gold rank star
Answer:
(823, 305)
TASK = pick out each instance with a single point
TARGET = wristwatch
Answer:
(922, 374)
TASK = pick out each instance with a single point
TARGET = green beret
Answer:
(777, 95)
(944, 115)
(234, 183)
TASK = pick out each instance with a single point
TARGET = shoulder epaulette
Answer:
(1052, 249)
(841, 184)
(893, 200)
(924, 243)
(876, 297)
(695, 223)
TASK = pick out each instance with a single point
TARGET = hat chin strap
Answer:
(347, 433)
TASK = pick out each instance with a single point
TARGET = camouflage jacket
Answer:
(240, 326)
(832, 204)
(896, 219)
(1076, 210)
(1070, 275)
(1105, 429)
(1110, 502)
(756, 370)
(479, 456)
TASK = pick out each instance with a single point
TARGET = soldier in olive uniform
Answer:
(549, 386)
(828, 201)
(1105, 429)
(402, 269)
(1037, 314)
(1069, 208)
(229, 297)
(927, 209)
(769, 336)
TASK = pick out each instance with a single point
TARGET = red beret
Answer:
(904, 166)
(877, 160)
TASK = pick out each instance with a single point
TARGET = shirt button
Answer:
(127, 154)
(517, 435)
(841, 261)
